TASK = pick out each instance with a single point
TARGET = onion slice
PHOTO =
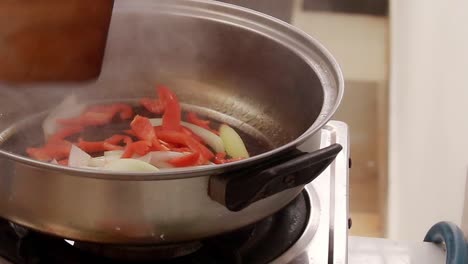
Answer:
(233, 143)
(102, 160)
(78, 158)
(129, 165)
(160, 158)
(112, 153)
(146, 158)
(68, 108)
(210, 138)
(98, 161)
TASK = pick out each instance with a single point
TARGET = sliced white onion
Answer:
(233, 143)
(163, 155)
(97, 161)
(160, 158)
(54, 161)
(146, 158)
(163, 165)
(78, 158)
(111, 153)
(102, 160)
(129, 165)
(68, 108)
(92, 168)
(210, 138)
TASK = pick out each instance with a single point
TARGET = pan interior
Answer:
(231, 73)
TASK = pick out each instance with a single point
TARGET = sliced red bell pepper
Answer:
(57, 149)
(108, 146)
(90, 146)
(220, 158)
(182, 149)
(100, 108)
(168, 145)
(171, 117)
(66, 132)
(63, 162)
(116, 139)
(125, 110)
(128, 152)
(196, 146)
(130, 132)
(166, 103)
(144, 130)
(96, 118)
(157, 129)
(159, 147)
(99, 115)
(186, 160)
(172, 112)
(189, 132)
(164, 93)
(153, 105)
(183, 139)
(88, 119)
(96, 146)
(39, 154)
(139, 147)
(194, 119)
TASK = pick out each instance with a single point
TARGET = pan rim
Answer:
(302, 44)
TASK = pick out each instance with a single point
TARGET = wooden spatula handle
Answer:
(52, 40)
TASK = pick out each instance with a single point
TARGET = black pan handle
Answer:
(239, 189)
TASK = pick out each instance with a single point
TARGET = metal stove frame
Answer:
(325, 238)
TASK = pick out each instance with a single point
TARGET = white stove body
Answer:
(325, 237)
(326, 240)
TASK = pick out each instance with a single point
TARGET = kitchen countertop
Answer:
(366, 250)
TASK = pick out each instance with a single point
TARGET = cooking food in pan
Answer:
(153, 134)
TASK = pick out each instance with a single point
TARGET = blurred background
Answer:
(404, 64)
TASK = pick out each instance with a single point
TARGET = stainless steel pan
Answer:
(263, 76)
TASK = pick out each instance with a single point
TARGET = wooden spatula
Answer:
(52, 40)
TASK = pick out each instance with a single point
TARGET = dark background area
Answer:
(282, 9)
(369, 7)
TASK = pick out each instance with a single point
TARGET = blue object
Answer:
(452, 236)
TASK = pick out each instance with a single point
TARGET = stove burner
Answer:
(140, 253)
(261, 242)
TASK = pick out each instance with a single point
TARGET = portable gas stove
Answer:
(311, 229)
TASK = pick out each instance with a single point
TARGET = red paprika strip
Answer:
(186, 160)
(96, 146)
(192, 144)
(190, 133)
(172, 112)
(57, 149)
(220, 158)
(116, 139)
(144, 130)
(194, 119)
(139, 147)
(152, 105)
(66, 132)
(63, 162)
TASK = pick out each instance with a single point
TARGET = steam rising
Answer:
(207, 62)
